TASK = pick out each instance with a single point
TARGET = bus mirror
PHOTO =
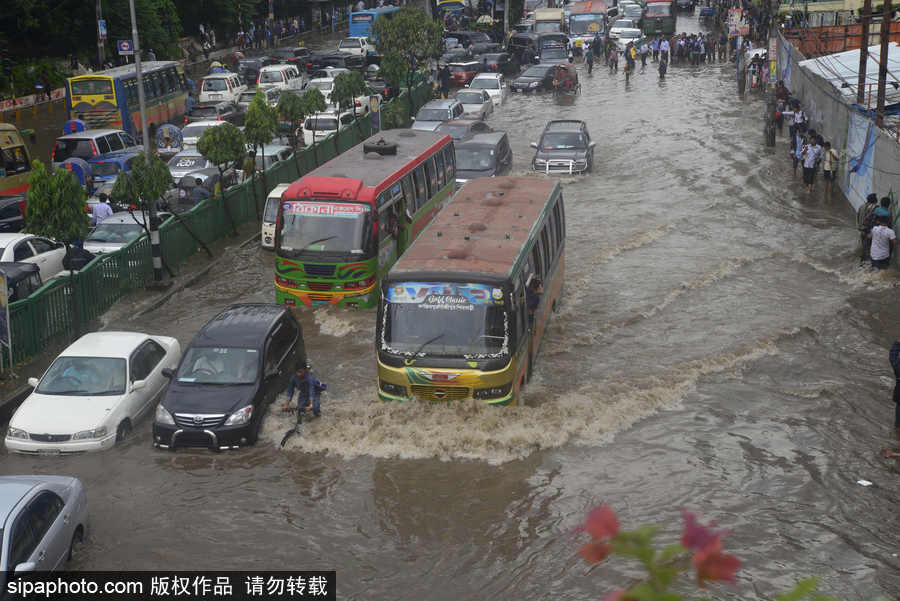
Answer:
(534, 144)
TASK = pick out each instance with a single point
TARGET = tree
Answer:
(225, 146)
(55, 209)
(145, 183)
(290, 108)
(409, 39)
(347, 88)
(259, 127)
(313, 102)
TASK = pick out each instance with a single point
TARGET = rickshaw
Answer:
(565, 79)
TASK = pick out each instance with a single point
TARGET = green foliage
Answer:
(55, 206)
(393, 69)
(347, 87)
(313, 101)
(224, 145)
(261, 121)
(291, 109)
(145, 183)
(410, 34)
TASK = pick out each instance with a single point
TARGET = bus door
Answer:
(391, 226)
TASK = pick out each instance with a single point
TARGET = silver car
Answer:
(42, 520)
(186, 162)
(118, 230)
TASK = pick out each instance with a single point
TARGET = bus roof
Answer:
(377, 11)
(480, 234)
(129, 69)
(343, 176)
(589, 6)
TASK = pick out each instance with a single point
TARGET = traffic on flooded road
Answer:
(445, 345)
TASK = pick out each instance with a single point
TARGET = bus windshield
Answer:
(92, 86)
(659, 9)
(445, 320)
(321, 225)
(579, 24)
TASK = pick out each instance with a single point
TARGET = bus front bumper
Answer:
(441, 385)
(365, 297)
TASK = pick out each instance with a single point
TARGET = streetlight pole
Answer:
(99, 40)
(883, 67)
(145, 135)
(863, 54)
(771, 108)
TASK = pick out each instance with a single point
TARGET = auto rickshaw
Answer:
(565, 79)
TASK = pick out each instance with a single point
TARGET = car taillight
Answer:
(218, 118)
(185, 120)
(53, 152)
(357, 103)
(94, 148)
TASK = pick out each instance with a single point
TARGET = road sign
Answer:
(126, 48)
(101, 28)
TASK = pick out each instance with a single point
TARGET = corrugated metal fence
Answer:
(47, 316)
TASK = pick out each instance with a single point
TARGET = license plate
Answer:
(215, 95)
(48, 451)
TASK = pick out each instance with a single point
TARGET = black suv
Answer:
(220, 111)
(565, 147)
(342, 60)
(11, 217)
(229, 374)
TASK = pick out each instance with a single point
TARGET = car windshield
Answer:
(633, 11)
(562, 141)
(84, 376)
(538, 71)
(485, 83)
(323, 226)
(320, 124)
(194, 131)
(479, 36)
(462, 68)
(349, 44)
(204, 112)
(247, 97)
(219, 365)
(546, 27)
(479, 158)
(214, 85)
(433, 115)
(117, 233)
(554, 53)
(271, 211)
(470, 97)
(104, 169)
(579, 24)
(445, 319)
(194, 163)
(659, 9)
(325, 86)
(270, 77)
(624, 23)
(633, 34)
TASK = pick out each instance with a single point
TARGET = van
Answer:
(524, 46)
(270, 212)
(483, 155)
(221, 86)
(283, 77)
(92, 144)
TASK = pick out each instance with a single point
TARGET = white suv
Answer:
(221, 86)
(358, 46)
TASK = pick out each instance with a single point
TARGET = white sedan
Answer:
(43, 252)
(476, 103)
(492, 83)
(620, 25)
(357, 46)
(93, 393)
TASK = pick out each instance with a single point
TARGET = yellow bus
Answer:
(109, 99)
(461, 315)
(15, 161)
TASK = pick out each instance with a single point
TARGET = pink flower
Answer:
(602, 522)
(712, 564)
(594, 551)
(697, 536)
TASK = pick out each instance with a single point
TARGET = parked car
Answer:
(117, 230)
(228, 376)
(45, 519)
(271, 96)
(565, 147)
(190, 133)
(43, 252)
(460, 129)
(93, 394)
(359, 46)
(483, 155)
(270, 213)
(217, 111)
(186, 162)
(221, 86)
(22, 280)
(492, 83)
(11, 217)
(476, 103)
(499, 62)
(92, 143)
(463, 72)
(435, 112)
(534, 78)
(282, 77)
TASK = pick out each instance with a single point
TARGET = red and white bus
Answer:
(341, 227)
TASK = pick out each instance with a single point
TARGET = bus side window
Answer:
(562, 217)
(439, 159)
(421, 193)
(450, 163)
(545, 245)
(557, 221)
(409, 196)
(535, 262)
(431, 180)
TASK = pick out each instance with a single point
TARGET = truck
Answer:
(659, 18)
(548, 20)
(586, 20)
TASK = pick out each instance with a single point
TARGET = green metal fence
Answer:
(48, 316)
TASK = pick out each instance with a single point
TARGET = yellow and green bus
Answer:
(460, 315)
(15, 161)
(109, 99)
(340, 227)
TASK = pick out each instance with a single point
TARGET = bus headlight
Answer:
(286, 282)
(392, 389)
(493, 392)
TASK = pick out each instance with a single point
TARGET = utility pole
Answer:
(882, 67)
(99, 41)
(505, 19)
(863, 54)
(770, 88)
(145, 135)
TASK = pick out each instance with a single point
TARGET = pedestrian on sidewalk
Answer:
(812, 152)
(797, 145)
(645, 51)
(883, 210)
(831, 158)
(866, 221)
(883, 240)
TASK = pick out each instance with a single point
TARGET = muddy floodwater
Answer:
(717, 348)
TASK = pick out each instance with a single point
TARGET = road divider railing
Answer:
(65, 306)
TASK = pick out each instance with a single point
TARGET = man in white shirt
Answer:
(811, 154)
(101, 211)
(883, 238)
(664, 50)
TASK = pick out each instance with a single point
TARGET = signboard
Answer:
(101, 29)
(329, 209)
(445, 296)
(169, 139)
(5, 336)
(736, 25)
(375, 112)
(126, 48)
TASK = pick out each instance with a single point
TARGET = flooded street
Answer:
(717, 349)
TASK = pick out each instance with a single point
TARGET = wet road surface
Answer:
(717, 349)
